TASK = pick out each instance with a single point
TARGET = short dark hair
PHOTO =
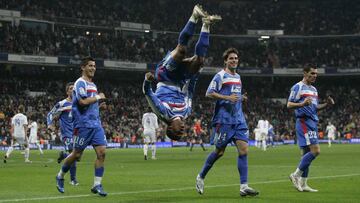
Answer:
(309, 66)
(229, 51)
(68, 85)
(149, 109)
(85, 60)
(21, 108)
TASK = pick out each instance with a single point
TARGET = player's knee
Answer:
(243, 151)
(101, 156)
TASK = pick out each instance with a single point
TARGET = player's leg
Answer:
(146, 144)
(25, 143)
(153, 145)
(263, 139)
(187, 32)
(223, 134)
(241, 141)
(99, 143)
(10, 149)
(201, 143)
(313, 149)
(73, 168)
(196, 62)
(192, 143)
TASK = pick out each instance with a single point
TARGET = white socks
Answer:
(97, 180)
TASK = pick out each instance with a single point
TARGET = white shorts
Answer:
(331, 137)
(33, 139)
(263, 135)
(149, 136)
(20, 140)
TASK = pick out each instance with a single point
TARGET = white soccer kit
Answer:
(257, 134)
(150, 124)
(331, 131)
(263, 126)
(33, 132)
(19, 122)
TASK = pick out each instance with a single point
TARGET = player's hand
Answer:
(149, 76)
(245, 97)
(330, 100)
(307, 101)
(233, 98)
(102, 95)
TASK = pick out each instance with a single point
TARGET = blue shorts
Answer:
(224, 134)
(68, 143)
(84, 137)
(306, 132)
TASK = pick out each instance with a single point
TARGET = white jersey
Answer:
(33, 132)
(257, 133)
(330, 129)
(150, 122)
(263, 125)
(19, 122)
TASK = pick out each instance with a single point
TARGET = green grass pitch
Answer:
(171, 178)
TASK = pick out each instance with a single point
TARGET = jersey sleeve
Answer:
(294, 94)
(80, 90)
(25, 121)
(215, 85)
(55, 111)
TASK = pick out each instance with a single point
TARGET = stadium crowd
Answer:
(294, 17)
(126, 105)
(305, 18)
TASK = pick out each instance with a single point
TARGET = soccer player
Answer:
(331, 130)
(257, 134)
(150, 124)
(304, 99)
(19, 134)
(198, 134)
(263, 126)
(271, 135)
(62, 110)
(33, 138)
(228, 122)
(177, 76)
(87, 126)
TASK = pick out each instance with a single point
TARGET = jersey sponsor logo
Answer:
(236, 89)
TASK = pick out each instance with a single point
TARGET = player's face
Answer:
(89, 69)
(69, 90)
(232, 61)
(311, 76)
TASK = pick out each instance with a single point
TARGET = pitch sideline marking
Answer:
(167, 190)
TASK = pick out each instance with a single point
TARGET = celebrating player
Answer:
(62, 109)
(304, 99)
(87, 126)
(177, 76)
(228, 122)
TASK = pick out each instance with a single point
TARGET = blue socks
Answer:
(186, 33)
(73, 171)
(99, 172)
(242, 165)
(202, 44)
(306, 161)
(208, 164)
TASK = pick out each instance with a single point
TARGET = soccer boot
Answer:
(198, 12)
(248, 191)
(98, 189)
(211, 19)
(199, 185)
(296, 182)
(74, 183)
(305, 186)
(60, 184)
